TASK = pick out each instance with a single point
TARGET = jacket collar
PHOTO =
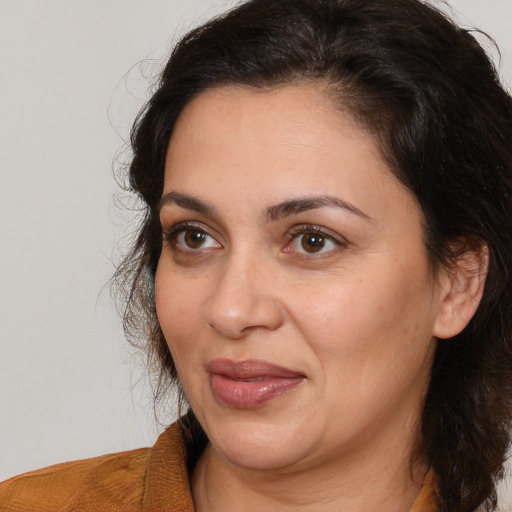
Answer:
(167, 487)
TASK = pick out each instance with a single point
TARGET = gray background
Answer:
(73, 75)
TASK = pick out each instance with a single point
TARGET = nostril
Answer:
(239, 317)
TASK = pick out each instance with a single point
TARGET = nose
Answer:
(243, 299)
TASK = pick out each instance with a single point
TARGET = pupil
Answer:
(194, 239)
(313, 243)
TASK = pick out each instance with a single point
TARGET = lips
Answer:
(251, 383)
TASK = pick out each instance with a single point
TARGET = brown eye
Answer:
(186, 238)
(312, 242)
(194, 239)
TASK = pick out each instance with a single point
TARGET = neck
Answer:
(371, 481)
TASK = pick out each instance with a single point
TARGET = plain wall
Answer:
(72, 80)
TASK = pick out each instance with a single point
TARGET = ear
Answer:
(461, 288)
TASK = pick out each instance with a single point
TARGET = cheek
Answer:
(177, 306)
(370, 328)
(178, 311)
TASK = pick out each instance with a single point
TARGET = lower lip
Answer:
(250, 394)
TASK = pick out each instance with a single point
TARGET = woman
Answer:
(323, 268)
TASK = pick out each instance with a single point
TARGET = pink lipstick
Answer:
(251, 383)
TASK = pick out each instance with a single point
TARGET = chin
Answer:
(255, 456)
(258, 445)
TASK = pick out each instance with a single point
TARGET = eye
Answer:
(312, 243)
(190, 238)
(312, 240)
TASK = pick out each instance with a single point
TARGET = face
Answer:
(293, 287)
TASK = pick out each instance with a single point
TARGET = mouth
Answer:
(251, 383)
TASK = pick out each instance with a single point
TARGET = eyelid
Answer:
(169, 233)
(182, 226)
(335, 240)
(313, 228)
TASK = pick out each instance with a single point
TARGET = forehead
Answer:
(270, 133)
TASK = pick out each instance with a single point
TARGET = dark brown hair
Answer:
(432, 97)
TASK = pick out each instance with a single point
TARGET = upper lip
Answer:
(250, 369)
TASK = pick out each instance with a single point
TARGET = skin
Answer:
(358, 317)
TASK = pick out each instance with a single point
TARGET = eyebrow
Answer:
(188, 203)
(273, 213)
(302, 204)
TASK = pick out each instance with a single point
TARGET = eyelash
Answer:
(309, 229)
(170, 236)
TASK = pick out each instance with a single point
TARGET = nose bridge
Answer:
(243, 297)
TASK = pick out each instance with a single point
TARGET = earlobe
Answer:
(461, 289)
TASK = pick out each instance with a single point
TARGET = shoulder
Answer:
(147, 479)
(107, 483)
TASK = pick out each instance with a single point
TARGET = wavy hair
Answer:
(431, 96)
